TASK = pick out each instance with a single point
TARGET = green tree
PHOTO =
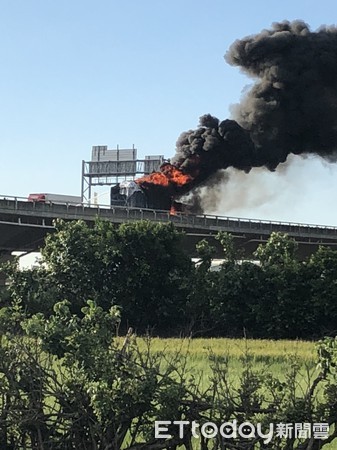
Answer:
(199, 292)
(65, 383)
(152, 280)
(322, 274)
(285, 310)
(280, 250)
(33, 287)
(236, 290)
(231, 254)
(140, 266)
(82, 262)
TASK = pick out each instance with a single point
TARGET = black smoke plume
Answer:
(291, 108)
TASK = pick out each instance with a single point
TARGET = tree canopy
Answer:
(142, 268)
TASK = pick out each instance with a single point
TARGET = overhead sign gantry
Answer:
(109, 167)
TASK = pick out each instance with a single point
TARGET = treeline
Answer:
(142, 269)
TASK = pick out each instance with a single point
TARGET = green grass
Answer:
(236, 347)
(274, 355)
(270, 355)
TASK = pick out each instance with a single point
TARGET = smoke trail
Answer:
(291, 108)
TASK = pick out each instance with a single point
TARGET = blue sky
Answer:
(77, 73)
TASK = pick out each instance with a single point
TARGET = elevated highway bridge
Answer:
(24, 225)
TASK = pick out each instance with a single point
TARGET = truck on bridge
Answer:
(55, 198)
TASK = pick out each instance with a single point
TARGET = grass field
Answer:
(271, 354)
(265, 355)
(261, 350)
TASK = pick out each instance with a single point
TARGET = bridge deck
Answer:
(24, 224)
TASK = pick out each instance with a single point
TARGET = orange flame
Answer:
(168, 175)
(173, 211)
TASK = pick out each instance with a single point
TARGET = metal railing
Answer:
(120, 213)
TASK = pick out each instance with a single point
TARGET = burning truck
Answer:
(158, 190)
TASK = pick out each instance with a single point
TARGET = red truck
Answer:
(55, 198)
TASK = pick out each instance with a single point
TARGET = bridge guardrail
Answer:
(183, 219)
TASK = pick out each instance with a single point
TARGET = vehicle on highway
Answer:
(54, 198)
